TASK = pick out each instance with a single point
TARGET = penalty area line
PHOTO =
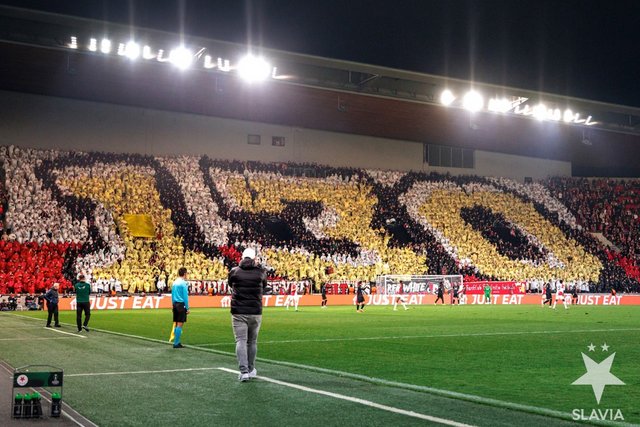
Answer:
(359, 401)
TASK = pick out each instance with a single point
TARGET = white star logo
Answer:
(592, 347)
(605, 347)
(598, 375)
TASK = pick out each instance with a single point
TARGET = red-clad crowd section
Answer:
(30, 267)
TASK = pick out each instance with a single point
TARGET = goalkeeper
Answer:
(487, 294)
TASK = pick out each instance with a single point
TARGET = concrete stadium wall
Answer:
(48, 122)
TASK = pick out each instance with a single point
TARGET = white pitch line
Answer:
(163, 371)
(63, 332)
(404, 337)
(359, 401)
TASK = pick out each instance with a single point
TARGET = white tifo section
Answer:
(357, 400)
(45, 122)
(33, 215)
(186, 171)
(540, 194)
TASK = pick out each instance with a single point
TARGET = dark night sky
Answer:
(583, 48)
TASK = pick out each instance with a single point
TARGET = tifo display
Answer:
(68, 213)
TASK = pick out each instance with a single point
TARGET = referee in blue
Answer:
(180, 301)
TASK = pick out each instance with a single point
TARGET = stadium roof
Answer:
(303, 91)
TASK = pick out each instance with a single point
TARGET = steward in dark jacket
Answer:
(247, 282)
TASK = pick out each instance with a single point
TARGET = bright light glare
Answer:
(147, 54)
(181, 57)
(568, 116)
(105, 46)
(447, 97)
(499, 105)
(253, 69)
(74, 42)
(540, 112)
(132, 50)
(473, 101)
(93, 45)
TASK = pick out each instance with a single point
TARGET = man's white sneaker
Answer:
(253, 373)
(244, 377)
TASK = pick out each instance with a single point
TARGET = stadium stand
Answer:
(71, 212)
(610, 207)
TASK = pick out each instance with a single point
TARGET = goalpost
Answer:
(389, 284)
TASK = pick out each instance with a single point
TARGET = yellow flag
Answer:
(140, 225)
(173, 332)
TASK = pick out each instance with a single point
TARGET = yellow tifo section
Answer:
(442, 211)
(135, 193)
(354, 205)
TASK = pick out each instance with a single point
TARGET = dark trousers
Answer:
(53, 312)
(86, 307)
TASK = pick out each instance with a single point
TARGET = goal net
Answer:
(394, 284)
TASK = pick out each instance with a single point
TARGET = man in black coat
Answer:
(247, 282)
(52, 305)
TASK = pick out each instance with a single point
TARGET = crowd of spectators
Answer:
(610, 207)
(308, 223)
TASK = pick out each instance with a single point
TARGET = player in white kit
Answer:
(560, 295)
(292, 298)
(399, 297)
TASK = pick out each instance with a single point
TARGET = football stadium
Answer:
(412, 248)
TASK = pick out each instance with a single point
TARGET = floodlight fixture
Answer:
(208, 62)
(147, 53)
(181, 57)
(132, 50)
(253, 69)
(540, 112)
(447, 97)
(105, 46)
(568, 116)
(499, 105)
(473, 101)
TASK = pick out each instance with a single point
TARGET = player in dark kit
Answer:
(547, 295)
(455, 298)
(323, 291)
(440, 294)
(359, 299)
(574, 295)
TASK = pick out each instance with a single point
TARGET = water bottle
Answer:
(36, 404)
(17, 406)
(26, 407)
(56, 405)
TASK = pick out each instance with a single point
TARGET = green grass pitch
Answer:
(476, 365)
